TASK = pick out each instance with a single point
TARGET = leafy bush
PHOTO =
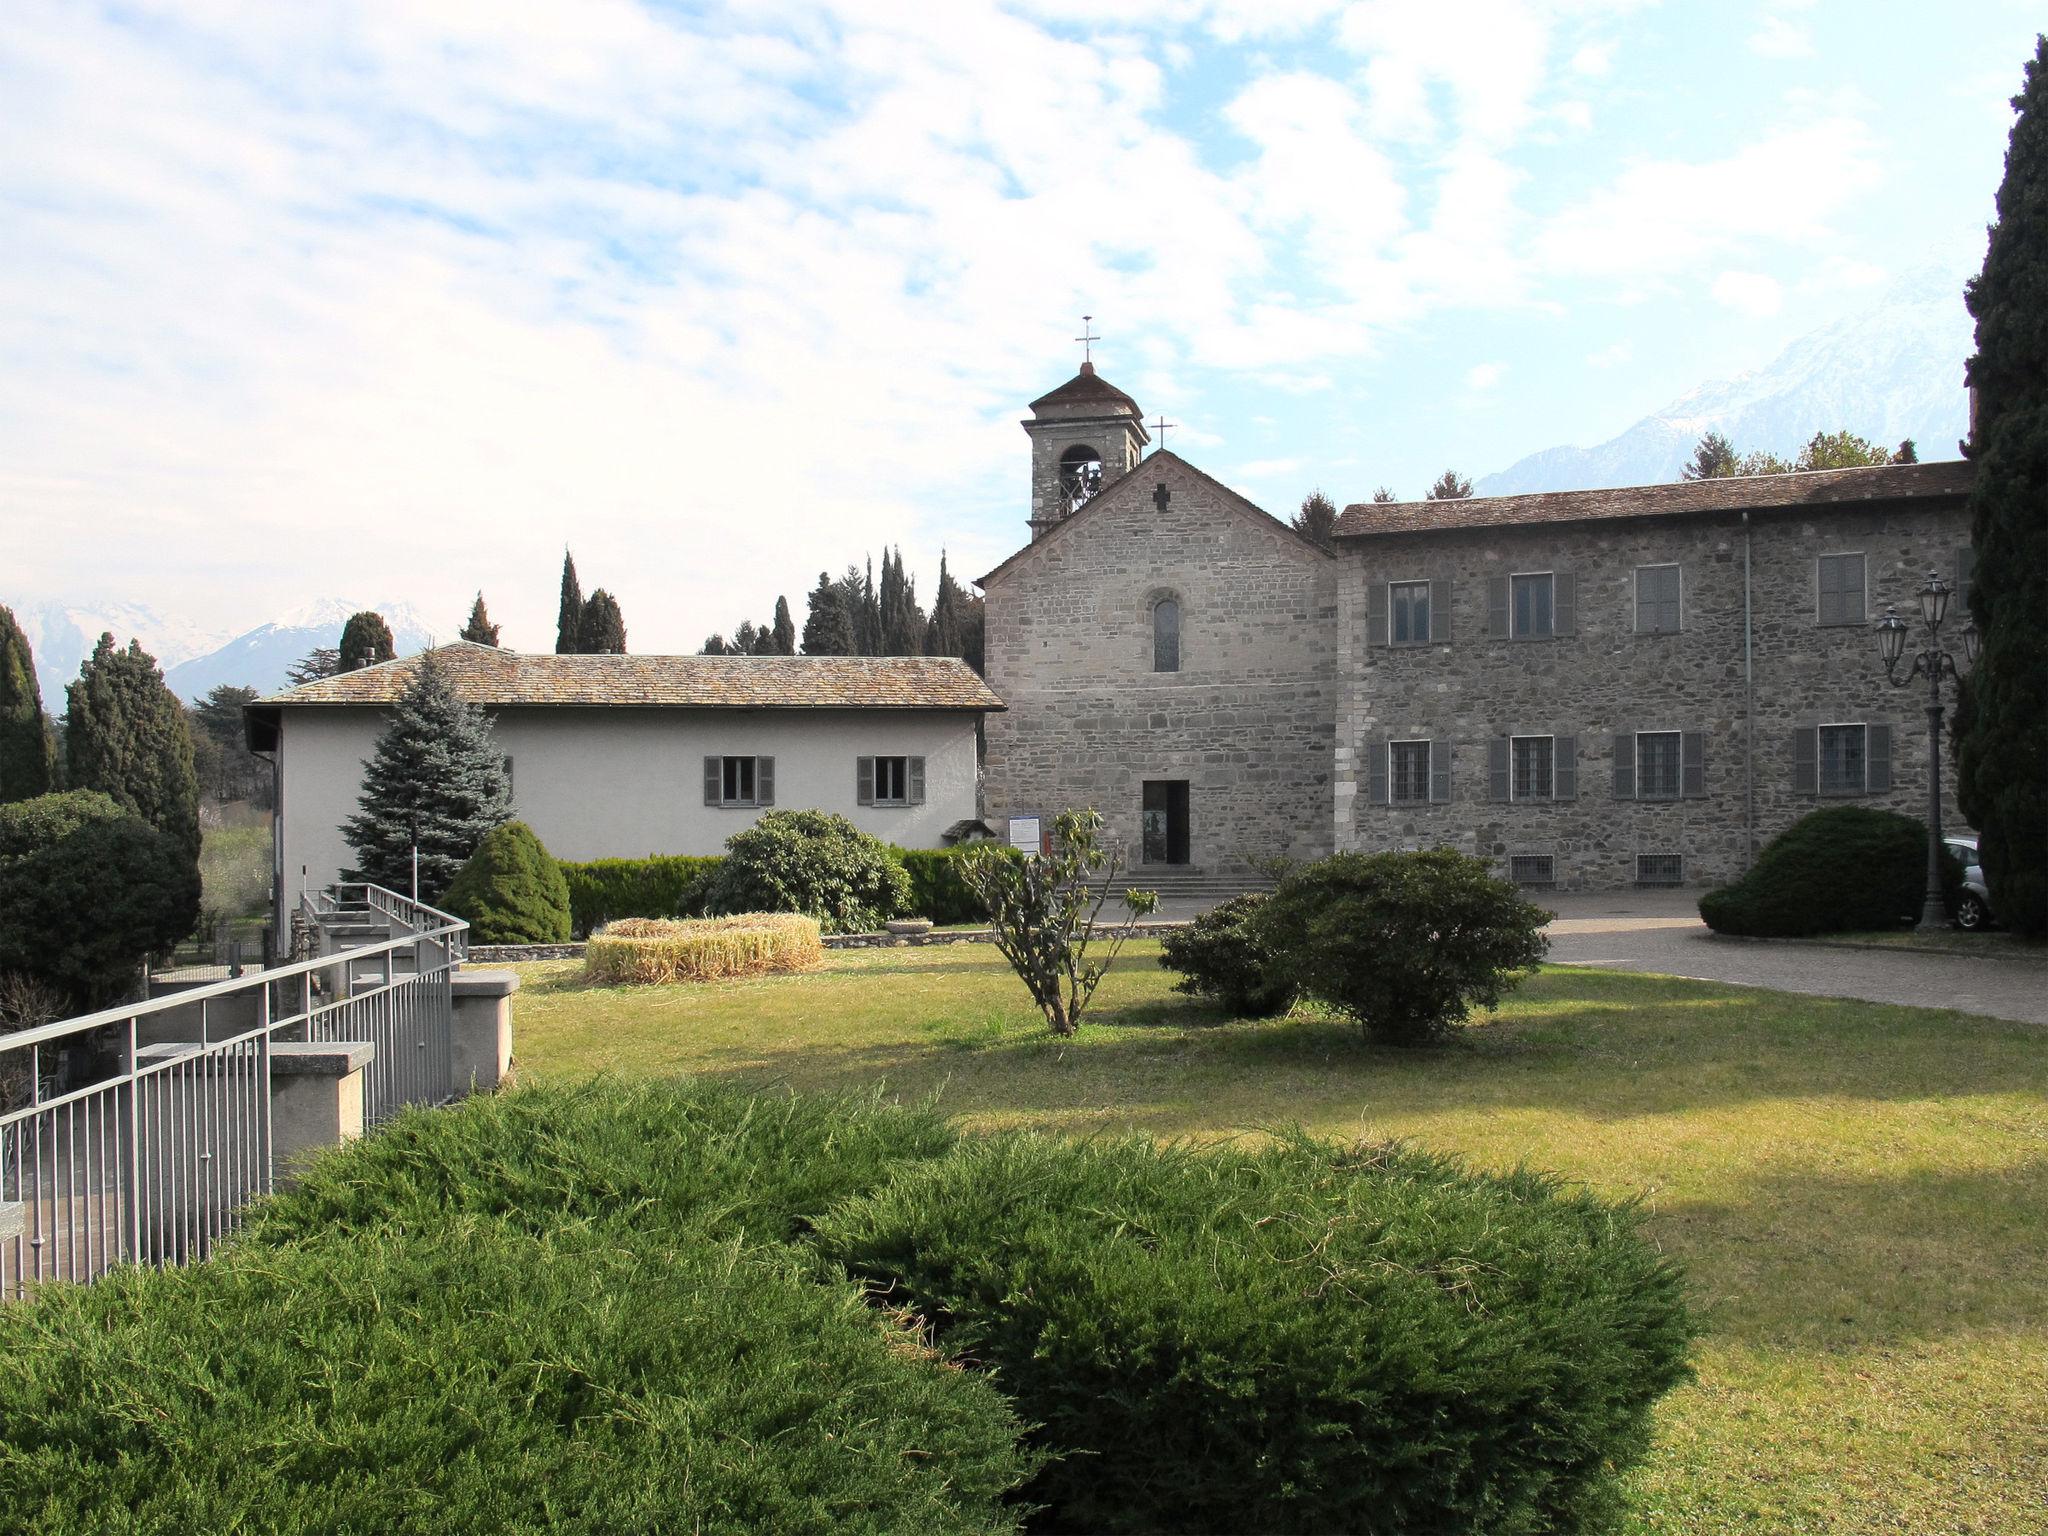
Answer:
(1224, 955)
(937, 890)
(653, 949)
(664, 885)
(1307, 1338)
(88, 892)
(811, 862)
(511, 891)
(472, 1377)
(1840, 870)
(1406, 943)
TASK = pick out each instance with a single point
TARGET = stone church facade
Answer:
(1592, 689)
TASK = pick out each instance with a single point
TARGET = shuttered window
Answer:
(1533, 598)
(739, 781)
(1844, 759)
(1840, 582)
(1408, 607)
(1657, 606)
(889, 781)
(1408, 771)
(1657, 765)
(1532, 762)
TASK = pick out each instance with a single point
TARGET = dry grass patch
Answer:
(650, 950)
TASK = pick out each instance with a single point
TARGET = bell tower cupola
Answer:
(1085, 435)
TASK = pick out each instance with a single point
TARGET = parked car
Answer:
(1973, 906)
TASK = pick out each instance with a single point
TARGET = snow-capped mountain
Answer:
(262, 657)
(1891, 371)
(62, 635)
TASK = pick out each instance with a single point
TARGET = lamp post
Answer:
(1933, 663)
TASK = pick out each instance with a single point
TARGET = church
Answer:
(1591, 690)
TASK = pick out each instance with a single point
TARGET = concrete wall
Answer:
(1606, 678)
(1248, 720)
(598, 783)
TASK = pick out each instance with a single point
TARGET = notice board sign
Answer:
(1025, 833)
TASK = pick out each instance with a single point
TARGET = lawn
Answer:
(1856, 1191)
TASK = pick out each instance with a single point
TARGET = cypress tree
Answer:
(28, 752)
(437, 780)
(785, 629)
(480, 628)
(569, 617)
(827, 630)
(365, 641)
(2003, 784)
(942, 632)
(126, 735)
(603, 630)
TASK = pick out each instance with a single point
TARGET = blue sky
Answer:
(313, 300)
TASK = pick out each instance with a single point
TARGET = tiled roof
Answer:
(1087, 388)
(485, 675)
(1738, 493)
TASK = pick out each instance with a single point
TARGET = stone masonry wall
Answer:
(1248, 721)
(1606, 678)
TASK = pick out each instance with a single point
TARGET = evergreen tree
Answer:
(903, 621)
(365, 641)
(1840, 450)
(1450, 486)
(480, 628)
(973, 633)
(1763, 462)
(827, 629)
(569, 617)
(714, 645)
(125, 735)
(785, 629)
(1906, 453)
(436, 781)
(1317, 519)
(603, 631)
(227, 769)
(28, 752)
(323, 661)
(2003, 785)
(1713, 458)
(1384, 495)
(943, 635)
(764, 641)
(742, 639)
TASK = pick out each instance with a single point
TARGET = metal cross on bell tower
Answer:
(1087, 338)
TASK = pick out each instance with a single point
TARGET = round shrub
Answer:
(811, 862)
(642, 950)
(1406, 943)
(1840, 870)
(510, 891)
(472, 1377)
(1306, 1338)
(1224, 955)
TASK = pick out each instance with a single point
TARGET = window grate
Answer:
(1660, 869)
(1532, 869)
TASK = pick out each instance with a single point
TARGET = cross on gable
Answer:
(1161, 496)
(1162, 426)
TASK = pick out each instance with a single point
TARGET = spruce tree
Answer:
(2003, 783)
(1450, 486)
(742, 643)
(569, 617)
(785, 629)
(480, 629)
(28, 752)
(1384, 495)
(365, 641)
(436, 781)
(126, 735)
(1317, 519)
(1713, 458)
(603, 630)
(827, 630)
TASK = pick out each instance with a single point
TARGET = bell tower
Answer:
(1085, 435)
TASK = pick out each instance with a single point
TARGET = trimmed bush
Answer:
(1406, 943)
(1309, 1338)
(936, 889)
(1842, 870)
(472, 1377)
(644, 950)
(811, 862)
(665, 885)
(1224, 956)
(510, 891)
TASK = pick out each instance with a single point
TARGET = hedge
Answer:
(663, 885)
(1842, 870)
(1308, 1338)
(642, 950)
(936, 889)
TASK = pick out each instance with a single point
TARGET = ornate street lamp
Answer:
(1933, 663)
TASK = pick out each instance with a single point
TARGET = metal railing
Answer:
(136, 1135)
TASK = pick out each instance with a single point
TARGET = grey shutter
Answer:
(1439, 765)
(1806, 761)
(1966, 569)
(1497, 607)
(1828, 573)
(1877, 759)
(1624, 765)
(864, 781)
(1564, 768)
(1440, 609)
(1564, 616)
(1376, 772)
(714, 781)
(1497, 766)
(916, 781)
(1376, 631)
(1692, 764)
(764, 781)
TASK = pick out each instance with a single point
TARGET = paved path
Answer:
(1661, 931)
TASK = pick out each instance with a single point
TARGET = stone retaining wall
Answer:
(507, 954)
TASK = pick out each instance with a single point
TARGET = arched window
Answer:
(1166, 635)
(1080, 477)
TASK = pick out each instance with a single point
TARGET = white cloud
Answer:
(1749, 293)
(1777, 38)
(1612, 356)
(1267, 469)
(1593, 59)
(1485, 375)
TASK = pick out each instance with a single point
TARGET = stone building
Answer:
(1593, 689)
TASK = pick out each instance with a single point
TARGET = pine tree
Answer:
(28, 752)
(603, 631)
(1713, 458)
(569, 617)
(365, 641)
(436, 781)
(2003, 785)
(742, 639)
(1384, 495)
(1906, 453)
(480, 629)
(1450, 486)
(323, 661)
(1317, 519)
(125, 735)
(785, 629)
(827, 629)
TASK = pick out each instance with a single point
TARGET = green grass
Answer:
(1855, 1190)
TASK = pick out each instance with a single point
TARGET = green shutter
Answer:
(864, 781)
(916, 781)
(714, 784)
(764, 781)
